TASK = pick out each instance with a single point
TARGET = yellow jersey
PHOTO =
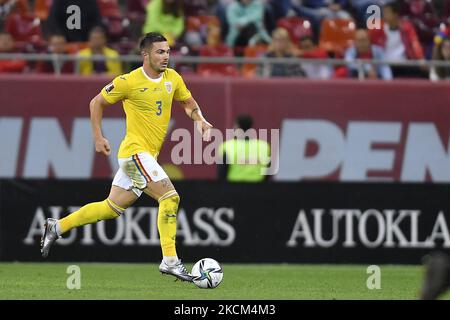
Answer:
(147, 104)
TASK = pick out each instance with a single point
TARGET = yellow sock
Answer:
(167, 222)
(90, 213)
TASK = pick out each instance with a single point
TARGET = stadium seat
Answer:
(42, 8)
(417, 8)
(297, 27)
(109, 8)
(24, 28)
(249, 70)
(210, 69)
(336, 35)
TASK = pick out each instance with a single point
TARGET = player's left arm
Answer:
(193, 111)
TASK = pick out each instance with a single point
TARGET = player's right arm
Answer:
(116, 91)
(98, 103)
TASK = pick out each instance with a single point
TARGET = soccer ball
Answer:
(207, 273)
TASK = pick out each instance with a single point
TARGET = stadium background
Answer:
(364, 165)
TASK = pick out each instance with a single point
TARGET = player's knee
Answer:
(170, 204)
(173, 201)
(176, 199)
(117, 210)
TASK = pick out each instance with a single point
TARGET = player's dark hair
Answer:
(150, 38)
(244, 121)
(394, 6)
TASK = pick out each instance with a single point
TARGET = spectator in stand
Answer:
(56, 47)
(310, 50)
(165, 17)
(12, 6)
(274, 10)
(195, 7)
(363, 49)
(245, 159)
(90, 17)
(441, 52)
(246, 23)
(7, 46)
(213, 36)
(317, 10)
(282, 47)
(279, 8)
(221, 12)
(399, 40)
(97, 46)
(436, 281)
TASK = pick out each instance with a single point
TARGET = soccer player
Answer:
(437, 276)
(147, 93)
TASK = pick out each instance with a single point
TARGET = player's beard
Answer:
(157, 67)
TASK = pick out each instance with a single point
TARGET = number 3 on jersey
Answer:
(159, 106)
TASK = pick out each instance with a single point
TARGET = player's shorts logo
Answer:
(168, 86)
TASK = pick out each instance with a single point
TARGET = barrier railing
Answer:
(263, 62)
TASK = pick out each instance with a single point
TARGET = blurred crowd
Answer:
(307, 29)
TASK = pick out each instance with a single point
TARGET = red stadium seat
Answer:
(209, 69)
(417, 8)
(336, 35)
(109, 8)
(297, 27)
(249, 70)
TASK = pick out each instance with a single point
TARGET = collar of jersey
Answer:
(151, 79)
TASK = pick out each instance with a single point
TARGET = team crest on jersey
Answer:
(109, 87)
(168, 86)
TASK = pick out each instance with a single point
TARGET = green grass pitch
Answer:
(251, 281)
